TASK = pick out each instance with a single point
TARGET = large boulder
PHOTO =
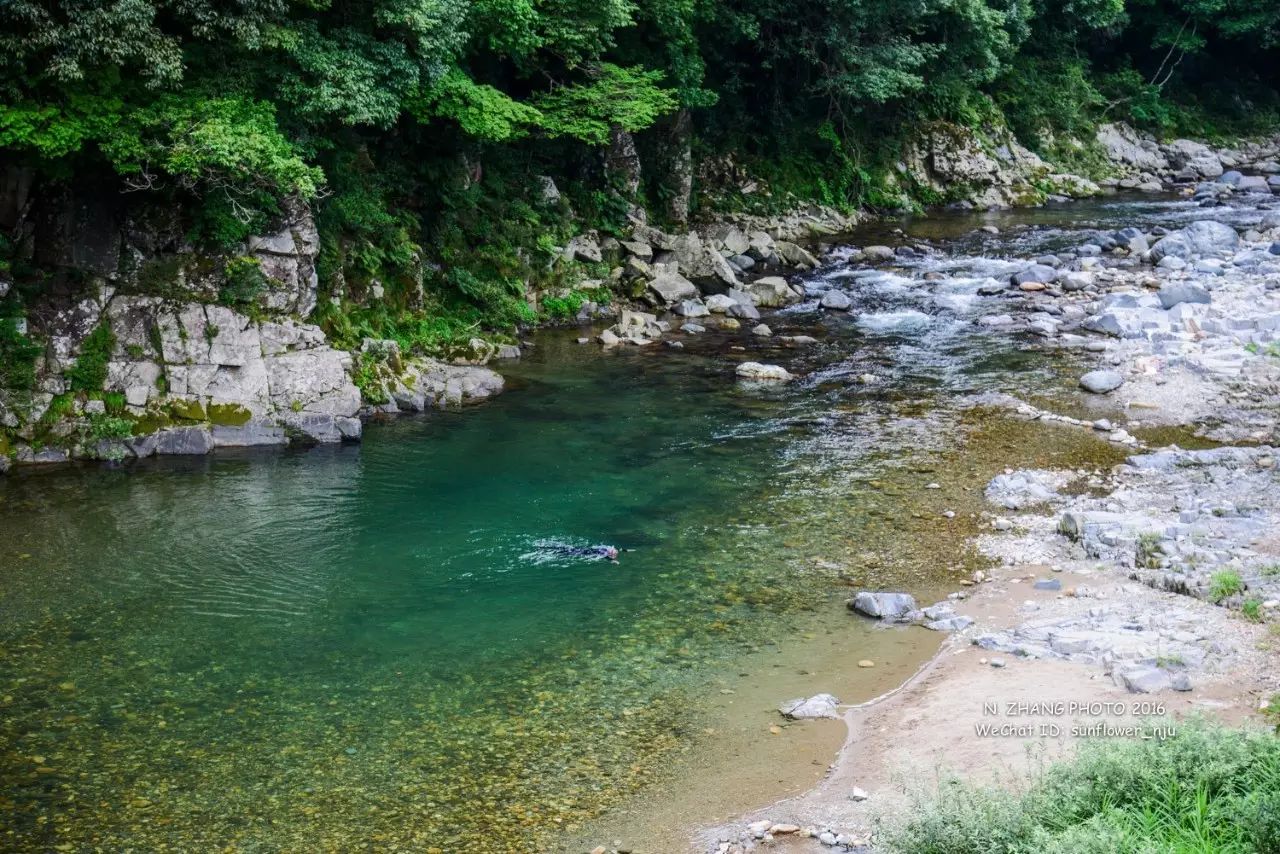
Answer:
(1126, 147)
(671, 288)
(691, 308)
(701, 264)
(1101, 381)
(584, 248)
(181, 441)
(772, 292)
(884, 606)
(720, 303)
(1035, 273)
(760, 246)
(1131, 239)
(445, 385)
(730, 238)
(1204, 237)
(836, 300)
(1176, 293)
(637, 249)
(1142, 679)
(1193, 159)
(1253, 184)
(795, 255)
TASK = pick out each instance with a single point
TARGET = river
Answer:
(369, 647)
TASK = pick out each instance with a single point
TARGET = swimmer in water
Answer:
(609, 553)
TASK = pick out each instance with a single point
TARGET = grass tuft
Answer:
(1206, 788)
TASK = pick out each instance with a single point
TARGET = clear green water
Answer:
(350, 649)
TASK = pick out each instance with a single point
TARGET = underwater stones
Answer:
(760, 372)
(882, 605)
(817, 706)
(1021, 489)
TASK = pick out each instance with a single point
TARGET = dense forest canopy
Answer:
(427, 123)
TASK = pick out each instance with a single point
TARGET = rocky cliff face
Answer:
(984, 170)
(178, 370)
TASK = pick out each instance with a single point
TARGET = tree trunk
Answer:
(622, 162)
(680, 169)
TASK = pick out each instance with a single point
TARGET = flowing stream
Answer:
(372, 648)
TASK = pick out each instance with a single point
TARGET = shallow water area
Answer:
(372, 646)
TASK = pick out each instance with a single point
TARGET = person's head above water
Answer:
(611, 552)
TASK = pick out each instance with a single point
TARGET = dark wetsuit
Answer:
(593, 552)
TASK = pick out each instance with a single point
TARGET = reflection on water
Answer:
(349, 647)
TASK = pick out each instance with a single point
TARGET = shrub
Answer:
(1205, 788)
(89, 373)
(567, 306)
(18, 355)
(1225, 584)
(109, 427)
(243, 282)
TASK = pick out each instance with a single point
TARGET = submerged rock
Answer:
(817, 706)
(883, 605)
(764, 373)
